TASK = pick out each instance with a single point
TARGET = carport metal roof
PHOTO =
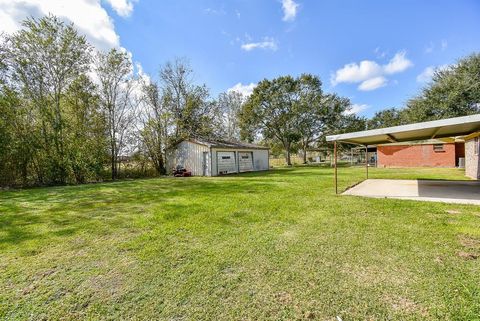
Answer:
(450, 127)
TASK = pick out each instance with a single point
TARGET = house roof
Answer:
(450, 127)
(226, 144)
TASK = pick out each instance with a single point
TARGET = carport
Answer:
(445, 129)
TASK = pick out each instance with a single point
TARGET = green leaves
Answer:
(454, 91)
(44, 66)
(291, 110)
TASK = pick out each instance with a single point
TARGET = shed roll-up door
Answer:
(226, 162)
(245, 161)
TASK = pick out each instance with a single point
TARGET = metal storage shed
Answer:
(468, 126)
(217, 157)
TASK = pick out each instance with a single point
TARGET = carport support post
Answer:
(366, 159)
(335, 164)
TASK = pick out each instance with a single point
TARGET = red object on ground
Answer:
(181, 172)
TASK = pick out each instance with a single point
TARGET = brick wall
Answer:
(471, 160)
(415, 156)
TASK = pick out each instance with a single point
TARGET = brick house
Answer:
(429, 153)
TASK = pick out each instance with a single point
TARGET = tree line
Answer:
(70, 114)
(452, 92)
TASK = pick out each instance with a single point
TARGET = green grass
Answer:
(277, 245)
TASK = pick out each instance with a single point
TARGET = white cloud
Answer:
(145, 78)
(429, 48)
(123, 8)
(379, 53)
(290, 8)
(427, 73)
(267, 43)
(398, 63)
(444, 44)
(370, 74)
(356, 109)
(353, 72)
(215, 12)
(245, 90)
(89, 17)
(373, 83)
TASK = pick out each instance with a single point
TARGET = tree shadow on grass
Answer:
(44, 214)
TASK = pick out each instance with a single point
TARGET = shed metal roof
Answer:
(450, 127)
(226, 144)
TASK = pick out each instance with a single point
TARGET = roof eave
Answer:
(383, 135)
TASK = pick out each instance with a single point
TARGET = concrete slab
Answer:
(459, 192)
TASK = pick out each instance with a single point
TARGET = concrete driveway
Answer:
(460, 192)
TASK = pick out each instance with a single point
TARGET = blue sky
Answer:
(377, 53)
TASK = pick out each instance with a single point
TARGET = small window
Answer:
(225, 157)
(438, 147)
(245, 157)
(476, 145)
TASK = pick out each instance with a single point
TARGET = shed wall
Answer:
(190, 156)
(416, 156)
(472, 160)
(260, 160)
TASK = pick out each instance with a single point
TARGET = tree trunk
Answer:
(287, 154)
(113, 167)
(163, 170)
(113, 159)
(304, 155)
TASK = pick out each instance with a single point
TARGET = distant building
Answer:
(217, 157)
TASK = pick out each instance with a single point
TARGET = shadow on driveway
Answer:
(460, 192)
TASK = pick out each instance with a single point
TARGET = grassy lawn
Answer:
(277, 245)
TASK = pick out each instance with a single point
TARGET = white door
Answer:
(245, 161)
(226, 162)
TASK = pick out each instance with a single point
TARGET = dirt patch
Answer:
(467, 256)
(368, 275)
(37, 278)
(453, 212)
(405, 305)
(472, 247)
(469, 242)
(284, 298)
(309, 315)
(30, 288)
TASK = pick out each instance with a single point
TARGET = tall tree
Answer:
(114, 71)
(385, 118)
(454, 91)
(86, 130)
(273, 112)
(44, 58)
(190, 109)
(317, 112)
(230, 105)
(155, 123)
